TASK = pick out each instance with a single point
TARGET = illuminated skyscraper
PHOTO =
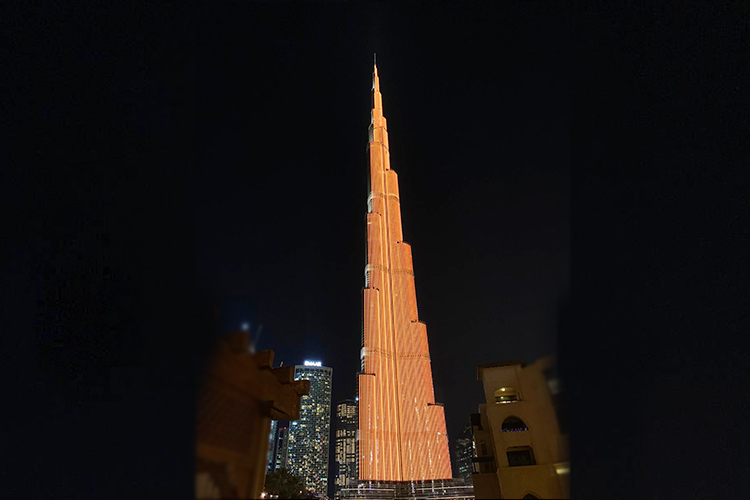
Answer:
(402, 433)
(309, 437)
(346, 443)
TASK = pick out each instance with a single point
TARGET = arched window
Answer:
(506, 395)
(513, 424)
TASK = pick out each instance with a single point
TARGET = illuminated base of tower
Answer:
(442, 489)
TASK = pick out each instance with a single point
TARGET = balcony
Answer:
(483, 465)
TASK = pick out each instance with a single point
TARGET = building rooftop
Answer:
(497, 365)
(543, 363)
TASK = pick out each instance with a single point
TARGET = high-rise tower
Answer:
(307, 454)
(402, 434)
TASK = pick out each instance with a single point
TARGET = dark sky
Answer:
(477, 105)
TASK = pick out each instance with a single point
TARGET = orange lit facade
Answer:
(402, 433)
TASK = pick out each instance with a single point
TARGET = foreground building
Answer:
(403, 444)
(346, 444)
(239, 395)
(309, 437)
(520, 434)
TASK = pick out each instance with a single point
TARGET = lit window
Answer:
(506, 395)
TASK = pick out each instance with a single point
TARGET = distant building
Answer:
(347, 421)
(277, 447)
(309, 437)
(520, 434)
(282, 448)
(272, 447)
(464, 452)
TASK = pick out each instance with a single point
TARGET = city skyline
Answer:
(184, 158)
(485, 207)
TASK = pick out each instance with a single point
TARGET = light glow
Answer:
(313, 363)
(563, 468)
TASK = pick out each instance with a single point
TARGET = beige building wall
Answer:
(484, 478)
(549, 477)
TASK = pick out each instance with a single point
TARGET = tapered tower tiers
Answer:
(402, 434)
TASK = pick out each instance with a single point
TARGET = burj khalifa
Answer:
(402, 432)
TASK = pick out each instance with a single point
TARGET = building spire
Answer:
(376, 84)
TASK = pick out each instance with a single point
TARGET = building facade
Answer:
(520, 434)
(346, 444)
(402, 431)
(309, 437)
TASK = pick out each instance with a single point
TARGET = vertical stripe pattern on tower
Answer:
(402, 432)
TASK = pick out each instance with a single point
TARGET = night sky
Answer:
(162, 161)
(477, 107)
